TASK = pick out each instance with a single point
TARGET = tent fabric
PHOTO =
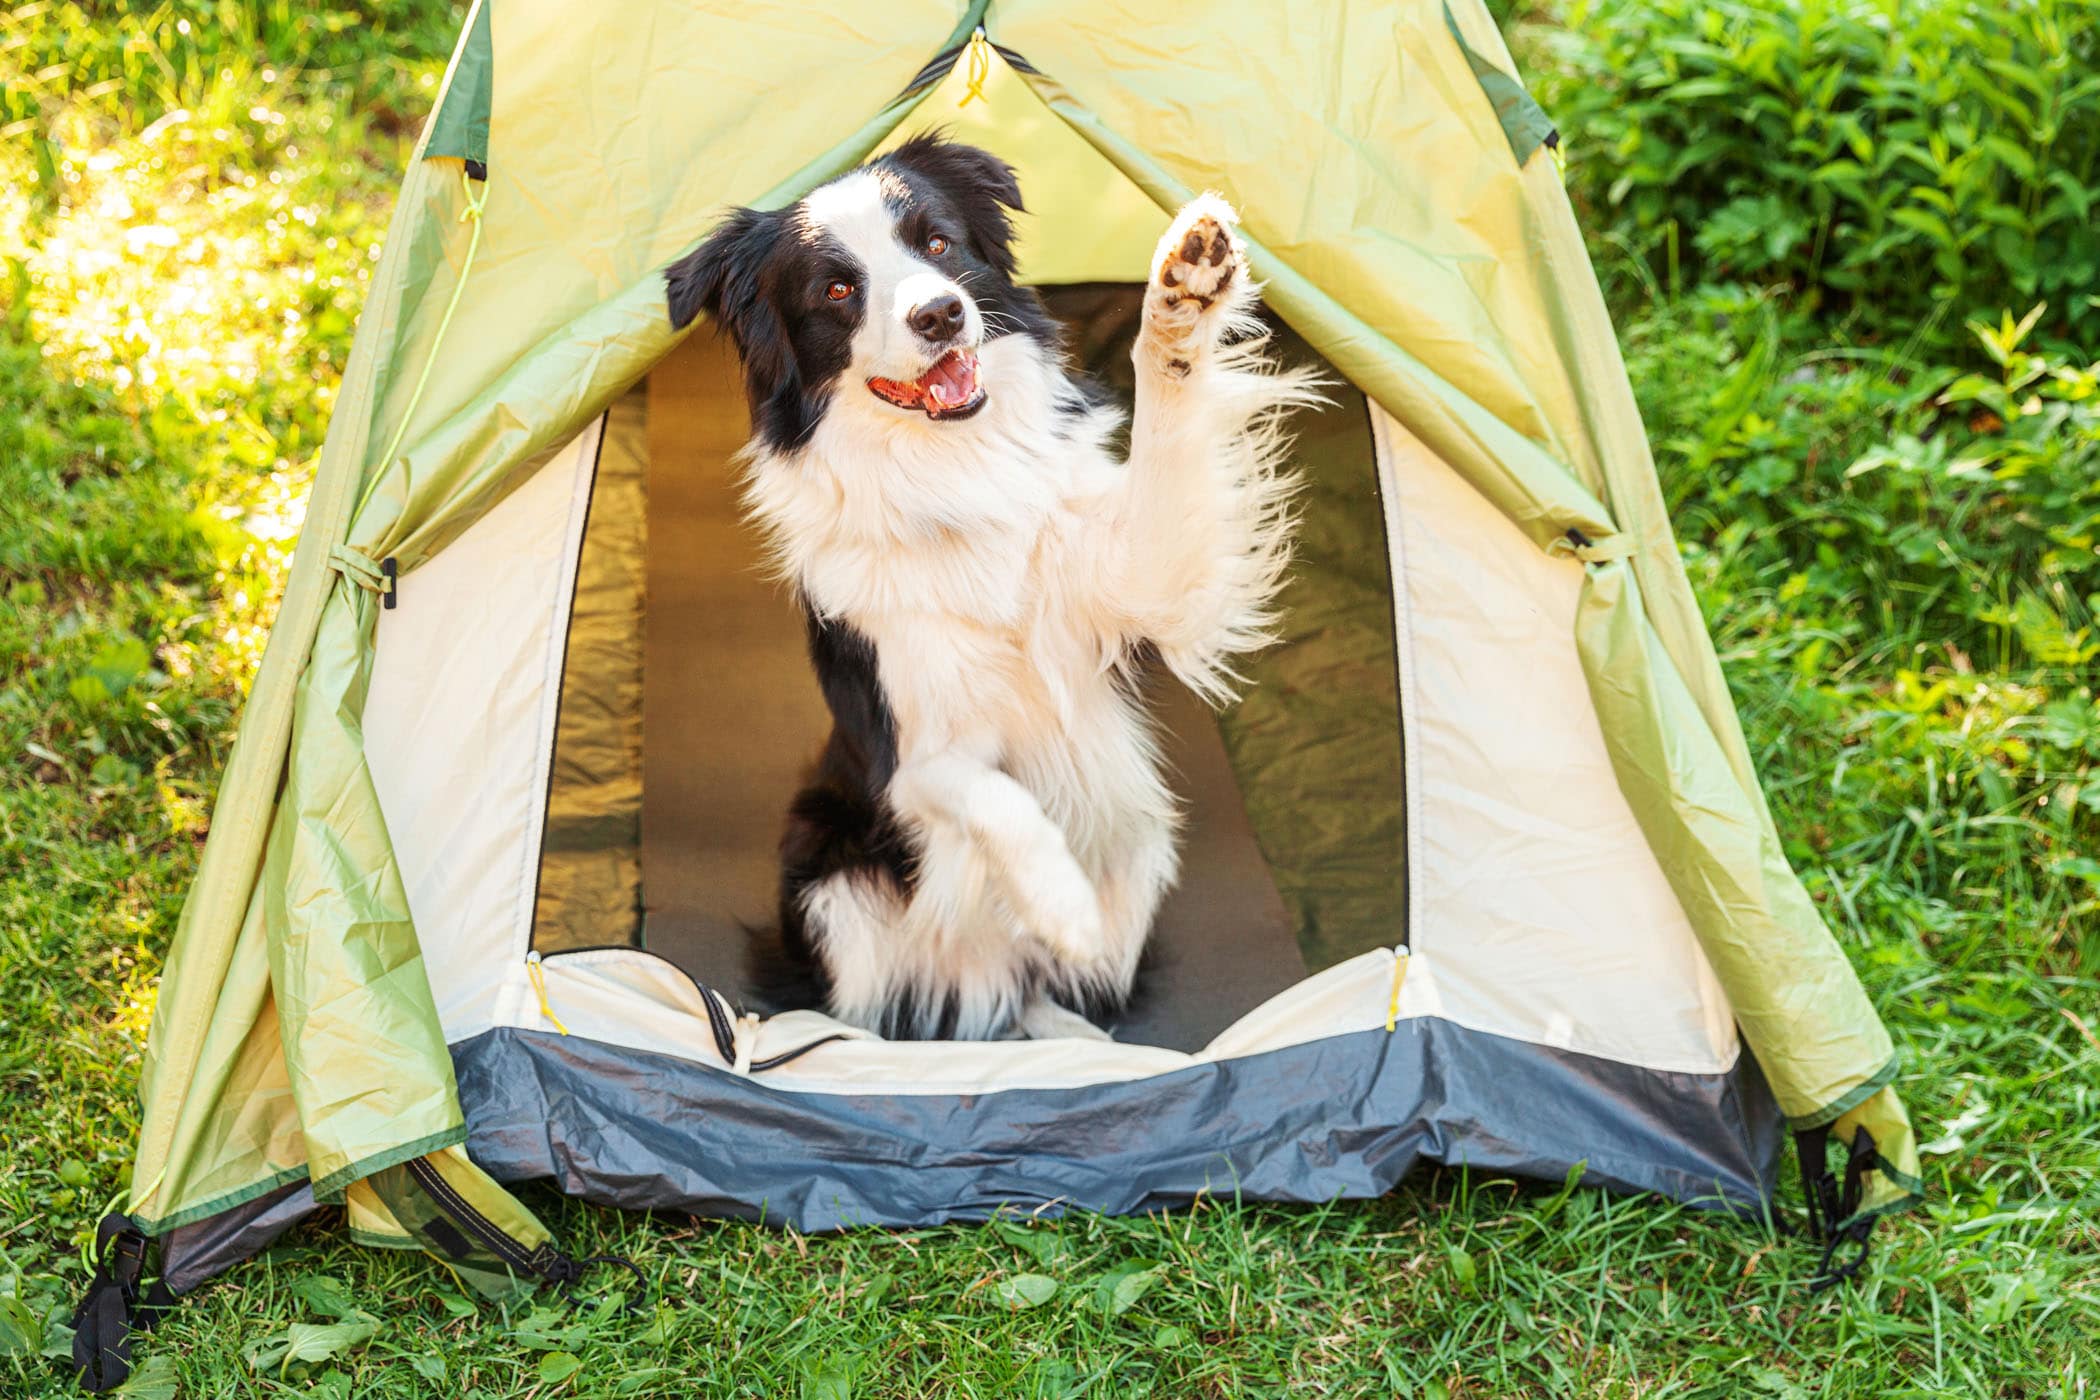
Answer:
(605, 1123)
(1486, 622)
(298, 1036)
(1488, 648)
(1344, 1115)
(460, 730)
(192, 1255)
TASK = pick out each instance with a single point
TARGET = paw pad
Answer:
(1202, 265)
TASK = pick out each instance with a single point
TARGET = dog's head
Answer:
(885, 282)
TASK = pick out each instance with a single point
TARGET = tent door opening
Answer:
(687, 715)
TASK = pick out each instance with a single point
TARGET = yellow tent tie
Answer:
(980, 68)
(1392, 1006)
(1576, 545)
(470, 214)
(539, 986)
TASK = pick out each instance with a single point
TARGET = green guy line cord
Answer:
(470, 214)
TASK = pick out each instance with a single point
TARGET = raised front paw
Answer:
(1193, 273)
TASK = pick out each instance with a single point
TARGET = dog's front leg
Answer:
(1025, 852)
(1201, 534)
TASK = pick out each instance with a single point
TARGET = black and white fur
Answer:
(983, 844)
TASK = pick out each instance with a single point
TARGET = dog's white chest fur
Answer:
(963, 558)
(998, 570)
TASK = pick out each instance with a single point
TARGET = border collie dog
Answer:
(982, 845)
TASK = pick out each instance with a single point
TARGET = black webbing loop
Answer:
(112, 1312)
(641, 1280)
(787, 1056)
(1812, 1145)
(718, 1021)
(1833, 1202)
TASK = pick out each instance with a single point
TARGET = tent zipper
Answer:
(546, 1262)
(721, 1018)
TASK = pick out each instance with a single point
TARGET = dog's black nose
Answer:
(938, 319)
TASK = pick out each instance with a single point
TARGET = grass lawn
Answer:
(1890, 554)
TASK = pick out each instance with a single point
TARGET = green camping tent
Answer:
(1479, 871)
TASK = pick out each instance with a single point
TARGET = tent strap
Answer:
(112, 1312)
(1575, 544)
(1834, 1215)
(374, 576)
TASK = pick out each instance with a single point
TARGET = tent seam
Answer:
(1851, 1098)
(374, 1239)
(329, 1189)
(553, 678)
(1387, 482)
(219, 1205)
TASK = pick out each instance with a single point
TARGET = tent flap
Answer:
(1524, 122)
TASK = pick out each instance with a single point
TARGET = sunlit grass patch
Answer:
(183, 249)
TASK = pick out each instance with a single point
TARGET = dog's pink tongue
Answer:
(953, 382)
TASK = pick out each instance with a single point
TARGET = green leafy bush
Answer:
(1886, 498)
(1901, 565)
(1893, 156)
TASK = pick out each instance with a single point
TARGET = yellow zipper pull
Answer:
(539, 987)
(980, 60)
(1392, 1007)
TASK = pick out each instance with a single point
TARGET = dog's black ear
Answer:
(721, 276)
(726, 278)
(967, 175)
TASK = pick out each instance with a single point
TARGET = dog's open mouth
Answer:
(948, 390)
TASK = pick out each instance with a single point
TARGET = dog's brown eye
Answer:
(839, 291)
(937, 245)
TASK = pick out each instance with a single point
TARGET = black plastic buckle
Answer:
(391, 572)
(127, 1259)
(553, 1266)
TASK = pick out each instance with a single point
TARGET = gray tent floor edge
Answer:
(194, 1254)
(1348, 1116)
(1342, 1117)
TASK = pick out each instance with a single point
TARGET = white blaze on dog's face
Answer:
(884, 283)
(916, 347)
